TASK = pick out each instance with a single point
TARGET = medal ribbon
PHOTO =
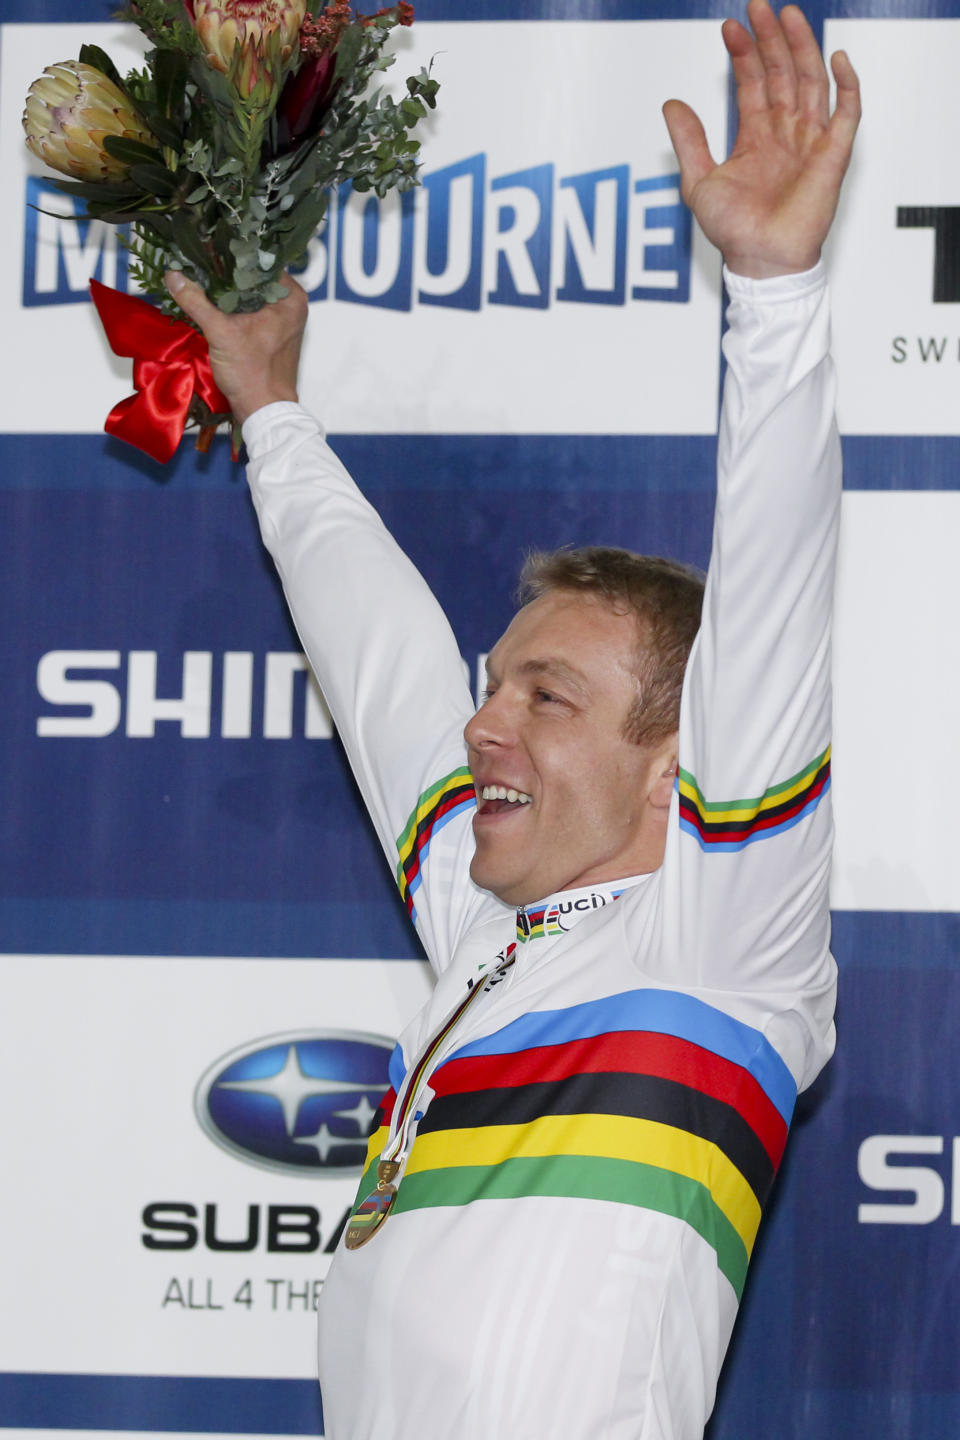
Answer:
(370, 1215)
(412, 1085)
(171, 364)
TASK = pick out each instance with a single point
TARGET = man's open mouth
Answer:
(494, 799)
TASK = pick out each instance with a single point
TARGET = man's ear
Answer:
(663, 774)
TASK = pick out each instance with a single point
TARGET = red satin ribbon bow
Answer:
(171, 364)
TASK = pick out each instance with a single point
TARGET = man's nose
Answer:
(493, 725)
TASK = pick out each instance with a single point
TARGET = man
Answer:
(634, 975)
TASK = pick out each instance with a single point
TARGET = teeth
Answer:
(500, 792)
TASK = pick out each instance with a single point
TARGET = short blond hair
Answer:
(665, 596)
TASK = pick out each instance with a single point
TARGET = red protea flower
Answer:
(304, 100)
(306, 96)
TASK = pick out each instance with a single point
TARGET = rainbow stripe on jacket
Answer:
(649, 1098)
(435, 808)
(733, 824)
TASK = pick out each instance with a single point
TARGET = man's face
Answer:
(561, 683)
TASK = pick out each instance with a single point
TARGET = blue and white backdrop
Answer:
(203, 954)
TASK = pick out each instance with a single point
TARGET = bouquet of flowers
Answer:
(221, 154)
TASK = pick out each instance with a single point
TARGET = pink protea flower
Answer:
(247, 39)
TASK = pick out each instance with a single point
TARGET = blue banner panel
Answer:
(158, 1402)
(849, 1322)
(155, 664)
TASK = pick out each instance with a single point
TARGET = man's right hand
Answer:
(255, 357)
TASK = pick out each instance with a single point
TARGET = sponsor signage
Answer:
(547, 241)
(213, 1153)
(894, 255)
(892, 1165)
(91, 706)
(872, 1203)
(233, 695)
(297, 1102)
(428, 246)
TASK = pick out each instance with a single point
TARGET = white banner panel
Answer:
(545, 279)
(127, 1210)
(897, 702)
(895, 249)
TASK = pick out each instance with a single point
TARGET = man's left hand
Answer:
(769, 206)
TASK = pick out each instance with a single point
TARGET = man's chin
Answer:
(507, 889)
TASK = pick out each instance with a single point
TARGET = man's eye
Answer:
(487, 694)
(546, 695)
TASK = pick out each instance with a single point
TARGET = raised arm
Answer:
(377, 640)
(747, 865)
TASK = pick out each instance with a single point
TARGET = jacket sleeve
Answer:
(745, 882)
(386, 661)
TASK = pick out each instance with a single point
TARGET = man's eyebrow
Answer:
(550, 665)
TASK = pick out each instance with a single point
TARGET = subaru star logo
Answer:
(302, 1102)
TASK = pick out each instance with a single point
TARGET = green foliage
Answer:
(165, 24)
(218, 197)
(130, 152)
(100, 60)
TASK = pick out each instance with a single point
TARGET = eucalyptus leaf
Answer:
(349, 49)
(275, 291)
(301, 232)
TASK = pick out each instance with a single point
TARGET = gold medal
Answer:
(371, 1214)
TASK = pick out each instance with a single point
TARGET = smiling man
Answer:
(579, 724)
(618, 867)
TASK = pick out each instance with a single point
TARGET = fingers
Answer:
(813, 86)
(191, 299)
(846, 115)
(781, 67)
(296, 297)
(748, 70)
(689, 140)
(776, 55)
